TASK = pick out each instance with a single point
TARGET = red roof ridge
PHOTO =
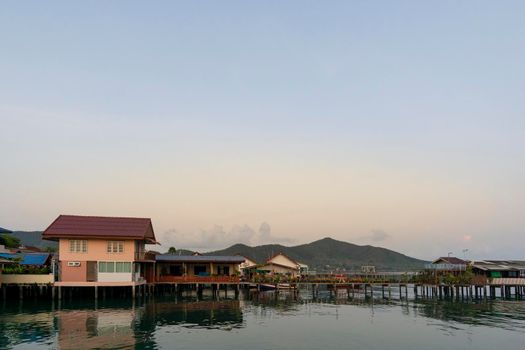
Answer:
(104, 217)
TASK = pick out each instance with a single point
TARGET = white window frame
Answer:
(115, 247)
(78, 246)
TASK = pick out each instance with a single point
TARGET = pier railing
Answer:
(197, 279)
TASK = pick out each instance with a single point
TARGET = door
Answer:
(91, 274)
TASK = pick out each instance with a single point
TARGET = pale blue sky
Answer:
(332, 118)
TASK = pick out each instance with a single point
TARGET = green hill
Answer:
(329, 254)
(34, 239)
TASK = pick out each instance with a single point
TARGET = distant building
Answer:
(105, 251)
(282, 264)
(32, 259)
(247, 265)
(447, 264)
(499, 268)
(368, 269)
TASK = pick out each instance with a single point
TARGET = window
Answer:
(77, 246)
(123, 267)
(112, 267)
(115, 247)
(106, 266)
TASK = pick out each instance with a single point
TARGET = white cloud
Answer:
(376, 236)
(217, 237)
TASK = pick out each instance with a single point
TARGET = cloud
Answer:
(376, 236)
(217, 237)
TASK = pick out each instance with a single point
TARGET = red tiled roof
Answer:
(75, 226)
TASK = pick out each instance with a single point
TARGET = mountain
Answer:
(34, 239)
(328, 254)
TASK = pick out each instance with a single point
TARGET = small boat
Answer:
(265, 287)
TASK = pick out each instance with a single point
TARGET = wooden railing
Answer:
(508, 281)
(198, 279)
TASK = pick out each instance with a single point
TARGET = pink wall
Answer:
(96, 251)
(73, 274)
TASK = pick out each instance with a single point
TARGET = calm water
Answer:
(267, 321)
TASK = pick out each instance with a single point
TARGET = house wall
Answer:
(283, 260)
(73, 273)
(97, 251)
(279, 269)
(115, 277)
(247, 263)
(26, 279)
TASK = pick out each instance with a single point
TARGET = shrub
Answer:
(26, 270)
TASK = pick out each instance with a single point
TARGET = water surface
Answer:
(262, 321)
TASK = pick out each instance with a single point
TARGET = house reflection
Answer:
(134, 327)
(107, 328)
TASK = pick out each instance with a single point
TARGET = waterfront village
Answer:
(99, 256)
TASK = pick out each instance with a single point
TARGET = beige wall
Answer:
(283, 260)
(279, 269)
(26, 279)
(247, 263)
(96, 251)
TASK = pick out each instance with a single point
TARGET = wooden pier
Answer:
(384, 290)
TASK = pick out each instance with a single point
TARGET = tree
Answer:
(172, 250)
(9, 241)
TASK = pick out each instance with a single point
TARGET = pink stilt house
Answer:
(102, 251)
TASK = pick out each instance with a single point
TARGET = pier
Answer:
(335, 289)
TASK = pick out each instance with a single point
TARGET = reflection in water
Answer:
(164, 322)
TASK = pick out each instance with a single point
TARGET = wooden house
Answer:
(197, 268)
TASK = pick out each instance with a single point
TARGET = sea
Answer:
(263, 320)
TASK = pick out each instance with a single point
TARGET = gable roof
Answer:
(104, 227)
(247, 259)
(450, 260)
(499, 265)
(283, 255)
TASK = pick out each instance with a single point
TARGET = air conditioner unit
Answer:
(73, 263)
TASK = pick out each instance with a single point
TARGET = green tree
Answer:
(9, 241)
(172, 250)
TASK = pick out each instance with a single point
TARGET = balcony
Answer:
(197, 279)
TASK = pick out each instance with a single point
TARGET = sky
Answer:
(398, 124)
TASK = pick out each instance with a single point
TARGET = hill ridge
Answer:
(328, 254)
